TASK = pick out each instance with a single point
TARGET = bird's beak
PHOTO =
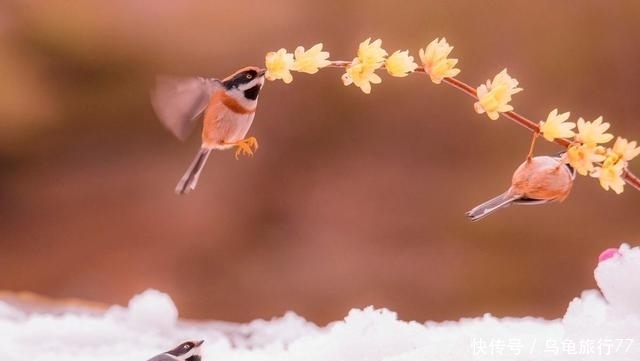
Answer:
(198, 343)
(261, 72)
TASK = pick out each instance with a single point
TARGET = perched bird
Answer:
(536, 181)
(186, 351)
(226, 106)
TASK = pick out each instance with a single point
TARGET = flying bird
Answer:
(227, 108)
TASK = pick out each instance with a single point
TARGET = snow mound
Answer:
(617, 277)
(596, 326)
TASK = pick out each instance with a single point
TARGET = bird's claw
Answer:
(245, 147)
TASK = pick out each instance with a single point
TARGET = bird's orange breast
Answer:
(225, 120)
(230, 103)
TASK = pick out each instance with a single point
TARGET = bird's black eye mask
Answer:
(240, 78)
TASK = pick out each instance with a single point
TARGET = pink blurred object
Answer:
(608, 253)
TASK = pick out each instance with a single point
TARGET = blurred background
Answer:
(351, 200)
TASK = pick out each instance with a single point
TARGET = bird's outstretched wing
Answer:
(180, 101)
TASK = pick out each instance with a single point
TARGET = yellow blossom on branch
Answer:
(556, 126)
(610, 175)
(279, 65)
(361, 71)
(625, 150)
(435, 61)
(362, 76)
(310, 61)
(582, 157)
(495, 95)
(585, 153)
(371, 55)
(593, 133)
(610, 172)
(400, 64)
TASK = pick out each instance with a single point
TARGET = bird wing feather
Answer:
(180, 102)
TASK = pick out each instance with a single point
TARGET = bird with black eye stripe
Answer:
(186, 351)
(227, 108)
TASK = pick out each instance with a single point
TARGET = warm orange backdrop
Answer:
(351, 200)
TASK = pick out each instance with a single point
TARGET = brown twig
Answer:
(532, 146)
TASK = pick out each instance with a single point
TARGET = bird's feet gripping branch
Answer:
(246, 146)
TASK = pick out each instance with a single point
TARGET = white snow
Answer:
(614, 277)
(596, 326)
(150, 309)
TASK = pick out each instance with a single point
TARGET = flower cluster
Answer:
(361, 71)
(616, 159)
(495, 95)
(586, 140)
(280, 63)
(435, 60)
(586, 153)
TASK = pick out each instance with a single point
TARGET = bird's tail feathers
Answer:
(490, 206)
(190, 178)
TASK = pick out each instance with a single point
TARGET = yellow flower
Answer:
(279, 65)
(360, 75)
(435, 61)
(556, 126)
(310, 61)
(625, 150)
(593, 133)
(494, 96)
(361, 71)
(610, 175)
(582, 156)
(400, 64)
(371, 54)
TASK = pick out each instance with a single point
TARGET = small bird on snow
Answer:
(186, 351)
